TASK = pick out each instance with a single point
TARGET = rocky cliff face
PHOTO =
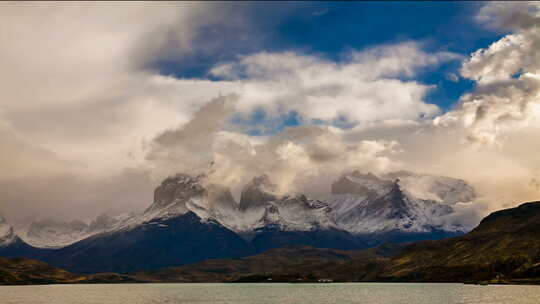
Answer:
(174, 193)
(257, 193)
(7, 235)
(259, 206)
(398, 206)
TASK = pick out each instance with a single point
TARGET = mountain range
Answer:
(192, 220)
(503, 249)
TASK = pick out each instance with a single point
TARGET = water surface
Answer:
(377, 293)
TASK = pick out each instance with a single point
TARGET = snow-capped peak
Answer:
(7, 235)
(398, 201)
(361, 184)
(431, 187)
(49, 233)
(175, 191)
(257, 193)
(259, 206)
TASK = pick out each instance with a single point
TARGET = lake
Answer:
(387, 293)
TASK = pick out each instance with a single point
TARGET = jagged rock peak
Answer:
(398, 201)
(361, 184)
(7, 235)
(102, 222)
(177, 187)
(431, 187)
(393, 204)
(262, 182)
(257, 193)
(183, 178)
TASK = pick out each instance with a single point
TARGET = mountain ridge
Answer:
(503, 249)
(190, 212)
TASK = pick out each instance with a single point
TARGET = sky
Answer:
(99, 101)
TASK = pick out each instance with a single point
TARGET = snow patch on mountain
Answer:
(259, 206)
(397, 202)
(50, 233)
(442, 189)
(7, 235)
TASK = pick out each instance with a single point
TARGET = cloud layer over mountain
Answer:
(89, 123)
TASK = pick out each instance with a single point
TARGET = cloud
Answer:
(37, 183)
(21, 158)
(189, 148)
(368, 85)
(505, 16)
(507, 75)
(80, 96)
(501, 174)
(77, 77)
(293, 158)
(87, 117)
(488, 138)
(74, 196)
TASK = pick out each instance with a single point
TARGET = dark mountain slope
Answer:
(158, 243)
(269, 237)
(19, 248)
